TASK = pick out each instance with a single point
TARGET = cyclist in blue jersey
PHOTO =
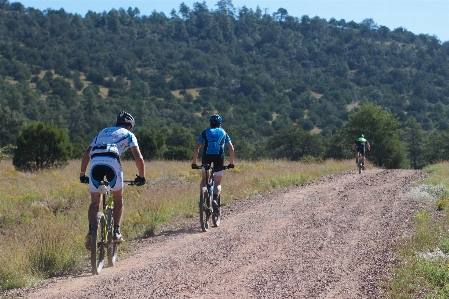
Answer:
(360, 145)
(103, 154)
(214, 139)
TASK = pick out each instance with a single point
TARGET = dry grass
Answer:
(43, 216)
(423, 270)
(195, 92)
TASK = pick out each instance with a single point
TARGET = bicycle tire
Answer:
(97, 250)
(216, 217)
(360, 163)
(204, 211)
(112, 247)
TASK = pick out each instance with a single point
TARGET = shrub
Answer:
(41, 146)
(177, 153)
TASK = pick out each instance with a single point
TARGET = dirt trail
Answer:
(332, 238)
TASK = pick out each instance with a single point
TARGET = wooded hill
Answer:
(262, 73)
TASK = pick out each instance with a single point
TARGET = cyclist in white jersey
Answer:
(103, 154)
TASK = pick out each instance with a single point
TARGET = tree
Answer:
(178, 153)
(282, 13)
(41, 146)
(150, 142)
(414, 140)
(382, 131)
(180, 136)
(294, 143)
(11, 123)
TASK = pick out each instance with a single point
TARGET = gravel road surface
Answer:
(332, 238)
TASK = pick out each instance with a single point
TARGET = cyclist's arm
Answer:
(196, 149)
(86, 159)
(231, 152)
(353, 146)
(139, 160)
(368, 146)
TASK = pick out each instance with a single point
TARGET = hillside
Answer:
(261, 73)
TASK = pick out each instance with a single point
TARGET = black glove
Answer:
(139, 181)
(194, 166)
(231, 166)
(84, 179)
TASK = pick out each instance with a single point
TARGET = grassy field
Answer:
(43, 216)
(424, 268)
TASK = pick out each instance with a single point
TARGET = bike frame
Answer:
(210, 182)
(108, 203)
(359, 165)
(102, 239)
(206, 197)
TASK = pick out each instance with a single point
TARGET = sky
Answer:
(424, 16)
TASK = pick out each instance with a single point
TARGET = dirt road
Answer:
(329, 239)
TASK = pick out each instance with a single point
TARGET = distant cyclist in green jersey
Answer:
(360, 145)
(214, 139)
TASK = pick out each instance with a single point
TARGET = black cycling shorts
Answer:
(217, 160)
(361, 148)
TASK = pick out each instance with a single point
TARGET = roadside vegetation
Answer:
(423, 270)
(43, 214)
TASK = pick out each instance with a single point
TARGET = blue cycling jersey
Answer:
(214, 140)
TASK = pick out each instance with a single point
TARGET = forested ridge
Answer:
(272, 77)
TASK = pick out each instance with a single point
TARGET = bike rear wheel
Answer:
(112, 247)
(216, 216)
(97, 249)
(204, 210)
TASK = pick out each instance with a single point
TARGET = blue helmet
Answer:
(215, 120)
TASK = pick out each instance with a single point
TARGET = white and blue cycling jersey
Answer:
(214, 140)
(106, 149)
(112, 141)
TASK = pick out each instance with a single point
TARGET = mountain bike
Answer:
(359, 162)
(102, 243)
(206, 197)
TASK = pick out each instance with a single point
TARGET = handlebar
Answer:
(106, 183)
(208, 166)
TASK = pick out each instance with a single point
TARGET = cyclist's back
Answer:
(112, 141)
(360, 143)
(214, 139)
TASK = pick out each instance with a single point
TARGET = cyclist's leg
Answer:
(115, 179)
(206, 159)
(363, 155)
(94, 207)
(118, 206)
(203, 179)
(97, 173)
(217, 183)
(218, 166)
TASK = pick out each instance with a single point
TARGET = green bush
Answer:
(178, 153)
(41, 146)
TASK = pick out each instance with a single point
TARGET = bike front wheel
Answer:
(97, 249)
(112, 246)
(216, 216)
(204, 210)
